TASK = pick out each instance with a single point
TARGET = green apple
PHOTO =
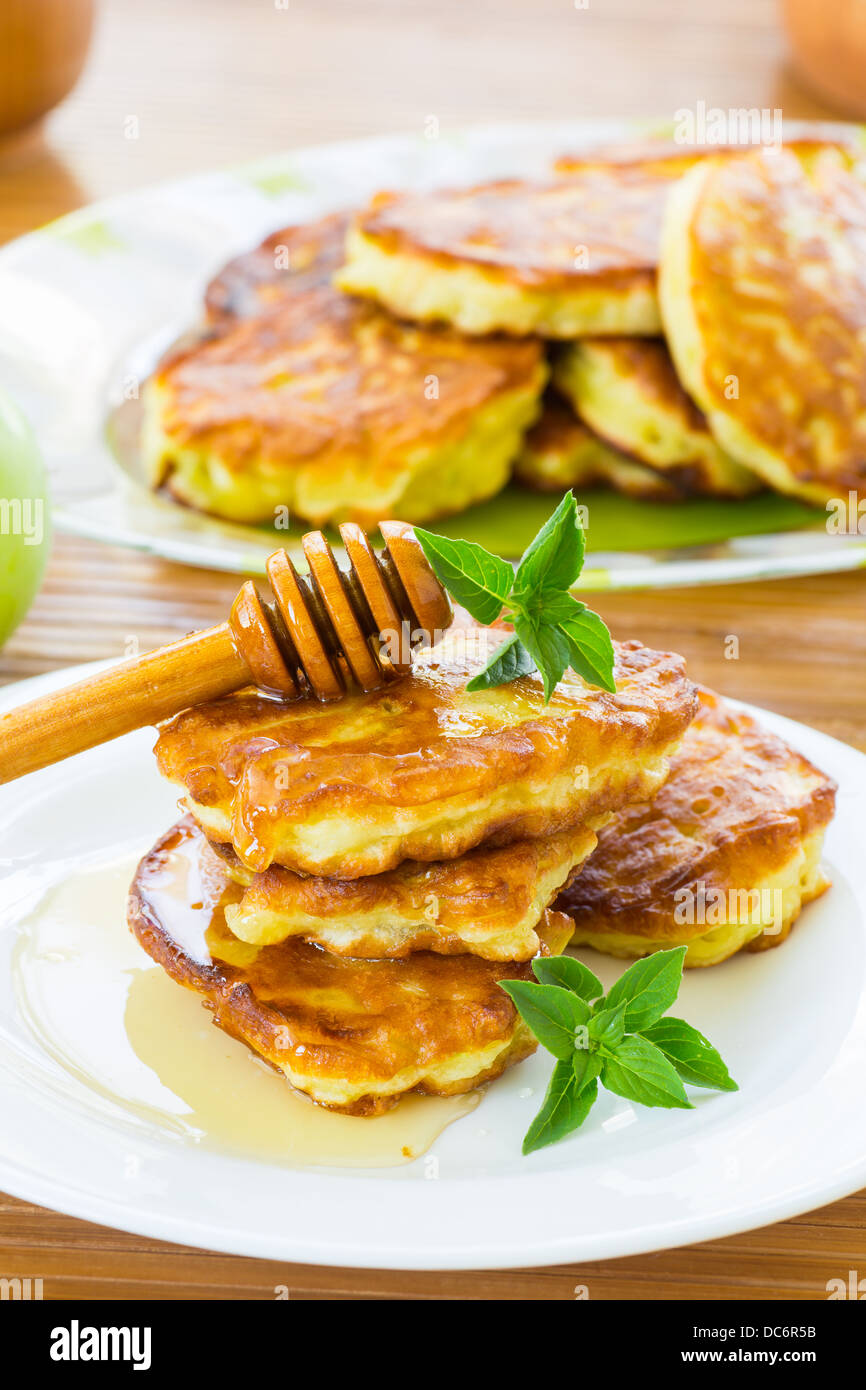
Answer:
(25, 530)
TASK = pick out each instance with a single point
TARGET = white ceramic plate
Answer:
(791, 1023)
(88, 303)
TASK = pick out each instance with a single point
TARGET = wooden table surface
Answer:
(216, 81)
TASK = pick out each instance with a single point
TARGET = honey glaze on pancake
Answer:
(737, 807)
(428, 751)
(331, 1019)
(119, 1026)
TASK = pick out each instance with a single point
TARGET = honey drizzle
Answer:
(104, 1013)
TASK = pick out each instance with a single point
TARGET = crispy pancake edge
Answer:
(617, 897)
(627, 391)
(790, 452)
(478, 1044)
(560, 451)
(300, 396)
(506, 785)
(488, 903)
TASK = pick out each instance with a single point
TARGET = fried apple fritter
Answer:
(560, 451)
(763, 292)
(424, 769)
(353, 1035)
(627, 391)
(303, 398)
(561, 259)
(488, 902)
(723, 858)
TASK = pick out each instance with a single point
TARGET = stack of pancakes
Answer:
(705, 309)
(351, 881)
(699, 314)
(300, 400)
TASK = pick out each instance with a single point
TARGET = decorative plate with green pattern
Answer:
(88, 303)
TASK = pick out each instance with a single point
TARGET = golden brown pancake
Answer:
(306, 400)
(763, 291)
(661, 157)
(423, 769)
(564, 259)
(289, 261)
(561, 451)
(627, 391)
(561, 259)
(353, 1035)
(722, 858)
(488, 902)
(660, 153)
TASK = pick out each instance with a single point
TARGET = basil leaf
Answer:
(586, 1066)
(548, 649)
(570, 973)
(648, 987)
(477, 579)
(555, 558)
(590, 649)
(636, 1070)
(695, 1059)
(581, 634)
(565, 1107)
(553, 1014)
(507, 663)
(555, 606)
(608, 1026)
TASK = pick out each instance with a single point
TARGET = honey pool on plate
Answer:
(102, 1011)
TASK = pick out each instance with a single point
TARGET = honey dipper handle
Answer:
(140, 691)
(317, 629)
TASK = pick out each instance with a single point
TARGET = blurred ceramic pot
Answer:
(43, 45)
(828, 40)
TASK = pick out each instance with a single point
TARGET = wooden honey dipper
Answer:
(318, 627)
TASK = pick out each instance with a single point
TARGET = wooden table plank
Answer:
(792, 1260)
(321, 70)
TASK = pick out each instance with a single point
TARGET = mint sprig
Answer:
(552, 629)
(620, 1039)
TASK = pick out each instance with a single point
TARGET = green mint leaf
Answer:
(637, 1070)
(555, 558)
(590, 649)
(607, 1026)
(555, 606)
(507, 663)
(565, 1107)
(584, 634)
(552, 630)
(586, 1066)
(548, 649)
(569, 973)
(695, 1059)
(648, 988)
(477, 579)
(553, 1014)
